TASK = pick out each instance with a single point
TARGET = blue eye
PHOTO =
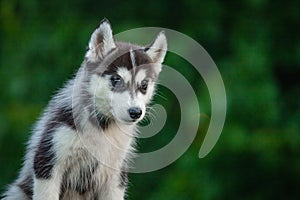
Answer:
(117, 81)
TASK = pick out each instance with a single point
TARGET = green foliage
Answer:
(253, 42)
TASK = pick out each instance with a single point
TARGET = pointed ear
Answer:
(158, 48)
(101, 42)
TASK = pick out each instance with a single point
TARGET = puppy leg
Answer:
(47, 189)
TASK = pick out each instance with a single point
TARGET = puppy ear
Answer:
(101, 42)
(158, 48)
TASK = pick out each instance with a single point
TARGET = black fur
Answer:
(103, 121)
(124, 60)
(80, 167)
(96, 196)
(85, 182)
(27, 186)
(64, 115)
(123, 179)
(45, 157)
(123, 175)
(142, 61)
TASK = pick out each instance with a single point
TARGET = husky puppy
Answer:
(82, 143)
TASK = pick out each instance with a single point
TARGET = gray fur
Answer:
(67, 156)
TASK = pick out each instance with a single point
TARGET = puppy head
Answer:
(122, 76)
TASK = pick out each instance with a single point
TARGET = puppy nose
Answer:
(135, 112)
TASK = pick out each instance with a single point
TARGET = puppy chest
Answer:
(80, 173)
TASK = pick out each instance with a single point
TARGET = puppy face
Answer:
(122, 75)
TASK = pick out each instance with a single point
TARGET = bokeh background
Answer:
(256, 46)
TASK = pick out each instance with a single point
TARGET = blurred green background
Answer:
(256, 46)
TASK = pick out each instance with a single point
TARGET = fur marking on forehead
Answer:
(125, 74)
(140, 75)
(128, 56)
(132, 58)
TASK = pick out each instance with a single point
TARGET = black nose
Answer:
(135, 112)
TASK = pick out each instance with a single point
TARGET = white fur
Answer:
(101, 152)
(100, 89)
(125, 74)
(132, 58)
(140, 76)
(46, 189)
(121, 102)
(158, 48)
(100, 50)
(14, 193)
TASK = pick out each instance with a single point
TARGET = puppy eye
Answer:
(117, 81)
(144, 86)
